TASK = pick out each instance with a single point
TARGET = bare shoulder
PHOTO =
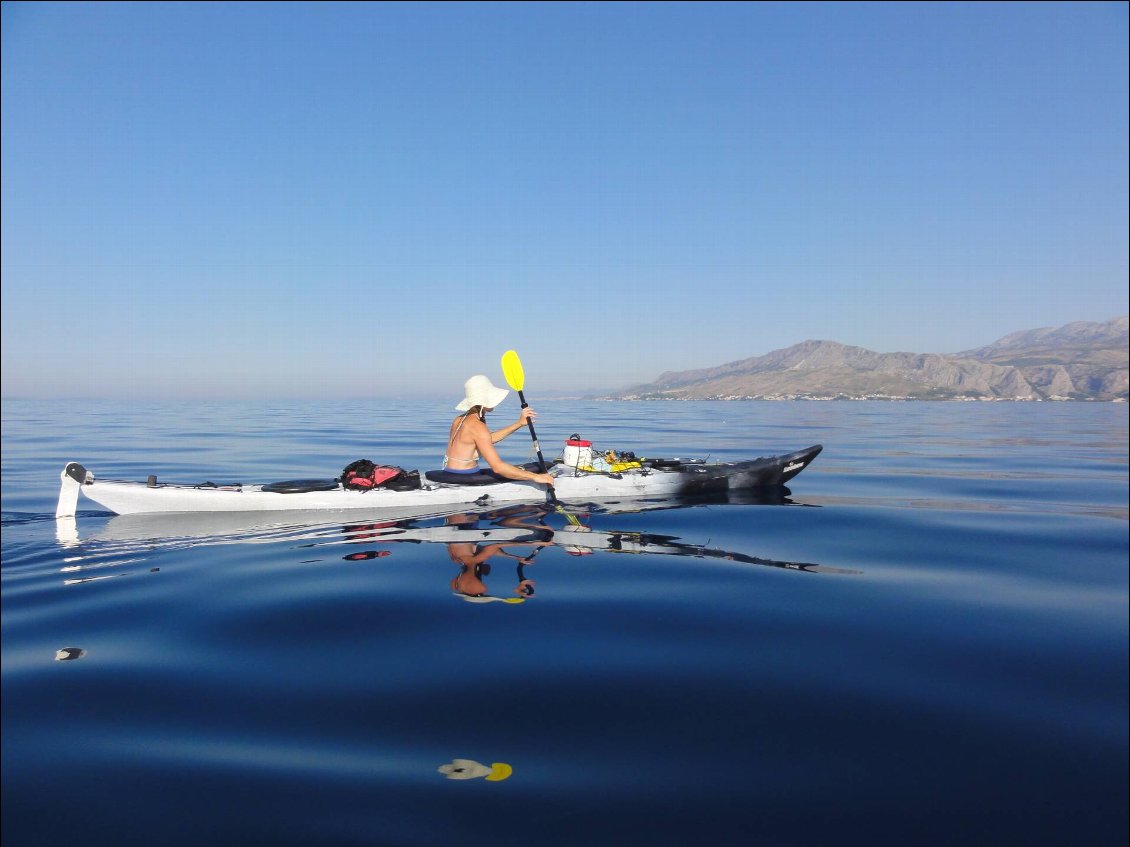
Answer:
(467, 424)
(475, 425)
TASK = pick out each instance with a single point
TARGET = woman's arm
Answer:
(485, 445)
(504, 550)
(506, 431)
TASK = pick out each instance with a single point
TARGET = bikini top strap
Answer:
(450, 441)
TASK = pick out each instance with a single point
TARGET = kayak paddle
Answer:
(516, 379)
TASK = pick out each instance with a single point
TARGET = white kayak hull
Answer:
(683, 479)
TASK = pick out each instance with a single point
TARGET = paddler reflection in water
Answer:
(470, 440)
(472, 559)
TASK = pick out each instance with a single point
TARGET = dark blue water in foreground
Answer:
(924, 643)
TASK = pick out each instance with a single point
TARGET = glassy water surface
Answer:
(924, 641)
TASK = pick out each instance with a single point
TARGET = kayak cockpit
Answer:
(450, 478)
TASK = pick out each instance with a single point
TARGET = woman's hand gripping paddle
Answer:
(516, 379)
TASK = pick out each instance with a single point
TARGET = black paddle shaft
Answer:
(533, 435)
(550, 494)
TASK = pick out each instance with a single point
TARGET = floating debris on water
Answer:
(470, 769)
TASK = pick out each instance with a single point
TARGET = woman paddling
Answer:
(471, 440)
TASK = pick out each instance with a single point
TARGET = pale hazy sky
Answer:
(225, 199)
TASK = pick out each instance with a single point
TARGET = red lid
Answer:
(571, 443)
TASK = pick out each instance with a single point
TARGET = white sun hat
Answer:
(481, 392)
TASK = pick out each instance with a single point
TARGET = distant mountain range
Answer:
(1078, 361)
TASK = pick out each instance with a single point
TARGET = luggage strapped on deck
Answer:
(579, 454)
(364, 475)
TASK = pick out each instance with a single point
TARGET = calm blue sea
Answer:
(925, 642)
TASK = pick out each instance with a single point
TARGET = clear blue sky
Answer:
(284, 200)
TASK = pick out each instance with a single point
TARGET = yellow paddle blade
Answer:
(512, 370)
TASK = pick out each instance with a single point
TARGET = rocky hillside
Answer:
(1079, 361)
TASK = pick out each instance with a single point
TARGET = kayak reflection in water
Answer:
(520, 532)
(472, 559)
(358, 533)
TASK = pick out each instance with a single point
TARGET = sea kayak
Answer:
(661, 478)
